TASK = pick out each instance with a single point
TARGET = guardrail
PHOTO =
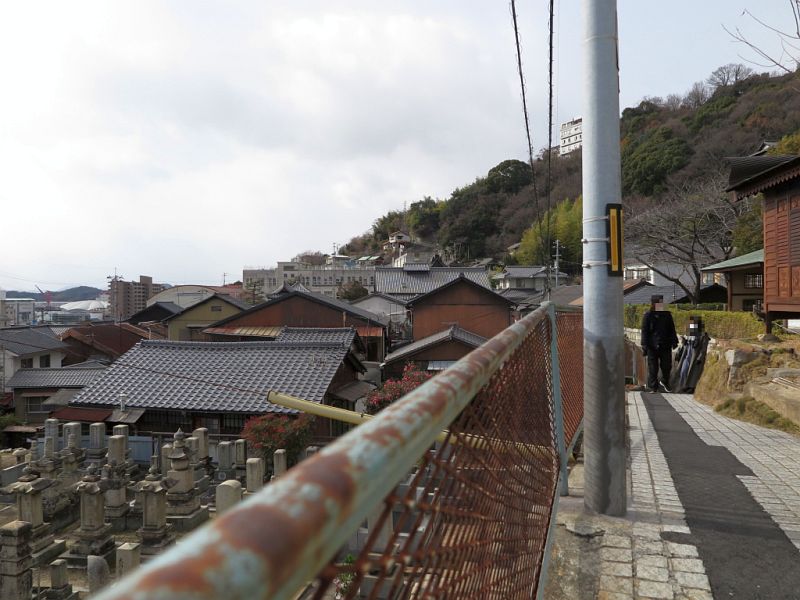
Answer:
(469, 516)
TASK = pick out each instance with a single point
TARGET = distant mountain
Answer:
(82, 292)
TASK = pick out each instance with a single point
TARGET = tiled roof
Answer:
(30, 340)
(522, 296)
(460, 279)
(745, 260)
(158, 311)
(453, 333)
(394, 299)
(85, 415)
(316, 335)
(314, 297)
(518, 272)
(405, 284)
(216, 376)
(111, 338)
(64, 377)
(748, 169)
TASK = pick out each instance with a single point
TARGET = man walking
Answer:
(658, 340)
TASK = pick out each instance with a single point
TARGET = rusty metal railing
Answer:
(419, 517)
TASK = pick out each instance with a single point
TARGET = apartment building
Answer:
(129, 297)
(323, 279)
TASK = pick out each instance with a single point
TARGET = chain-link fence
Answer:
(448, 493)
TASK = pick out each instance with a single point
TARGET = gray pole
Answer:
(557, 257)
(603, 351)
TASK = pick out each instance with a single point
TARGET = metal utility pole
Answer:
(603, 350)
(558, 255)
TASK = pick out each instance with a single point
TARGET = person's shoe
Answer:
(666, 389)
(652, 391)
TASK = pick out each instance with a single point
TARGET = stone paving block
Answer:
(676, 528)
(692, 580)
(604, 595)
(616, 555)
(654, 589)
(652, 561)
(681, 550)
(689, 565)
(619, 585)
(616, 541)
(652, 573)
(618, 569)
(643, 547)
(690, 594)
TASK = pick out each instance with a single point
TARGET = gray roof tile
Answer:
(216, 376)
(64, 377)
(315, 335)
(406, 284)
(30, 340)
(453, 333)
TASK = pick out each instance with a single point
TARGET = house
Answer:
(297, 308)
(38, 392)
(188, 323)
(744, 278)
(461, 302)
(525, 277)
(435, 352)
(662, 273)
(101, 341)
(36, 347)
(415, 279)
(778, 179)
(392, 309)
(187, 295)
(219, 385)
(414, 252)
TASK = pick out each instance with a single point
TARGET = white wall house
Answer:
(640, 271)
(571, 136)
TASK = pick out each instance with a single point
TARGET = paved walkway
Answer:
(714, 511)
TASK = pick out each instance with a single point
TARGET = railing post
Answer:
(558, 408)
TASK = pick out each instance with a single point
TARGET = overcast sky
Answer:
(185, 140)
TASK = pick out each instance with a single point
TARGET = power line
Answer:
(525, 106)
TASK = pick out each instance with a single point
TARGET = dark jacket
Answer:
(658, 331)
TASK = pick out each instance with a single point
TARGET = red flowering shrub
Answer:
(271, 432)
(393, 389)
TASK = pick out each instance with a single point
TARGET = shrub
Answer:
(269, 432)
(726, 325)
(394, 389)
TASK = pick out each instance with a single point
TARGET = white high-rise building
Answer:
(571, 136)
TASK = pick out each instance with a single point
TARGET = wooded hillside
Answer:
(665, 143)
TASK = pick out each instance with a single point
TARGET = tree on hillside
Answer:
(691, 226)
(788, 37)
(566, 226)
(728, 75)
(423, 217)
(509, 176)
(697, 95)
(352, 291)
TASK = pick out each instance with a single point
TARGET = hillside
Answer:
(82, 292)
(664, 142)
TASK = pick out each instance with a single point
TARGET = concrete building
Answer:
(19, 311)
(322, 279)
(129, 297)
(571, 137)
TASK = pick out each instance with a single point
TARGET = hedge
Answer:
(723, 325)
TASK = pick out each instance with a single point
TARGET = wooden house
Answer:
(778, 179)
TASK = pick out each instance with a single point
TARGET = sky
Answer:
(189, 139)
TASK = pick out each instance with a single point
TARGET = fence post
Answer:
(558, 409)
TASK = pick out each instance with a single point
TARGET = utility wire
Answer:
(525, 106)
(549, 140)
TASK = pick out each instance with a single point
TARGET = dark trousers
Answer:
(662, 357)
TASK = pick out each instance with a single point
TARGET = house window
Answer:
(44, 361)
(34, 404)
(216, 308)
(233, 423)
(751, 304)
(26, 363)
(753, 281)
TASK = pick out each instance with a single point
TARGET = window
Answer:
(216, 308)
(44, 361)
(26, 363)
(233, 423)
(751, 304)
(34, 404)
(753, 281)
